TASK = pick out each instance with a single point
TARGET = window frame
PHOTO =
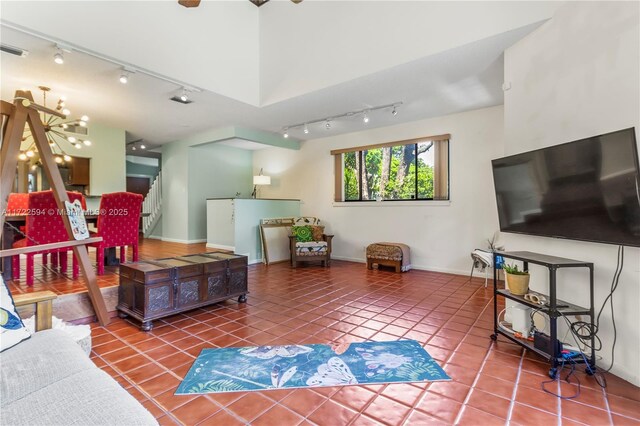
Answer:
(339, 170)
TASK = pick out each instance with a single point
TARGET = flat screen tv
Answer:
(586, 190)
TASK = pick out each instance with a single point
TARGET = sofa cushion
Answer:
(88, 397)
(12, 330)
(47, 357)
(311, 248)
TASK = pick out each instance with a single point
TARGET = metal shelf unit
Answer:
(554, 309)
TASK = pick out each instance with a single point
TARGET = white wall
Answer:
(440, 236)
(301, 45)
(107, 154)
(578, 76)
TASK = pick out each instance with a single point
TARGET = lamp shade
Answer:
(262, 180)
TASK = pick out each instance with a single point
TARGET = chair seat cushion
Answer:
(311, 248)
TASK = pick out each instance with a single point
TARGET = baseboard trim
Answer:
(413, 266)
(220, 246)
(176, 240)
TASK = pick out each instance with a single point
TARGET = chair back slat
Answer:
(118, 222)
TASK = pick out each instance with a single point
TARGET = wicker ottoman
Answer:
(397, 255)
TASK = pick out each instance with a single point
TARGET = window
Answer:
(409, 170)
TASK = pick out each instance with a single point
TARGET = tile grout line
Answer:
(512, 403)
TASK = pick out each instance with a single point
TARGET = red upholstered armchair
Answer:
(118, 225)
(44, 225)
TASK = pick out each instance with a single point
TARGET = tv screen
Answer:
(582, 190)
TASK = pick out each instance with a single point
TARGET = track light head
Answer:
(124, 78)
(142, 146)
(58, 58)
(365, 118)
(184, 97)
(285, 134)
(327, 124)
(306, 129)
(394, 112)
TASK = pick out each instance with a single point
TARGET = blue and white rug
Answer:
(301, 366)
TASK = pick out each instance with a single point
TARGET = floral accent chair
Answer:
(308, 242)
(118, 225)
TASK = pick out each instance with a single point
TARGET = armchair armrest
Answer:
(328, 238)
(44, 306)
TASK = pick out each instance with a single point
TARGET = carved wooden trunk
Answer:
(154, 289)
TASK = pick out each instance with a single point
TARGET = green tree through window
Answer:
(402, 172)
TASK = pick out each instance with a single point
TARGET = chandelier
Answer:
(56, 129)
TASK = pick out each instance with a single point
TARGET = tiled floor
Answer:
(450, 316)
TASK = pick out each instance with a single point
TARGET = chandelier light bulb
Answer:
(63, 98)
(58, 58)
(58, 160)
(306, 129)
(82, 124)
(71, 139)
(61, 103)
(22, 156)
(65, 126)
(52, 143)
(30, 153)
(87, 143)
(84, 118)
(67, 158)
(34, 167)
(66, 111)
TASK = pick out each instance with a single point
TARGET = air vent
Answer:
(13, 50)
(179, 100)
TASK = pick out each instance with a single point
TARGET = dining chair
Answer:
(118, 225)
(44, 225)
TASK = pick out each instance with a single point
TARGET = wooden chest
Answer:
(154, 289)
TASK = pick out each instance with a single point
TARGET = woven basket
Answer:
(518, 284)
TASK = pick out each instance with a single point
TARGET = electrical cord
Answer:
(585, 332)
(573, 370)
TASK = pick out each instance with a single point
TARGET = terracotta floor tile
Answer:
(338, 414)
(472, 417)
(387, 410)
(538, 399)
(250, 406)
(196, 410)
(453, 390)
(304, 401)
(448, 314)
(222, 418)
(278, 415)
(159, 384)
(495, 386)
(489, 403)
(356, 397)
(439, 406)
(525, 415)
(625, 407)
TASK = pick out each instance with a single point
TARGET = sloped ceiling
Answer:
(269, 67)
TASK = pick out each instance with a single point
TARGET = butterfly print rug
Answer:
(300, 366)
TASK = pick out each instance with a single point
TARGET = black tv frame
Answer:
(637, 167)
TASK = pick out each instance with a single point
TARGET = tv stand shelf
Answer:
(554, 308)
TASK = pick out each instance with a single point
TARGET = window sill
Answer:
(425, 203)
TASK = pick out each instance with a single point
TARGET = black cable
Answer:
(573, 369)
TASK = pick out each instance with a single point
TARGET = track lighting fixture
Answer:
(328, 121)
(143, 147)
(133, 148)
(184, 97)
(124, 78)
(58, 58)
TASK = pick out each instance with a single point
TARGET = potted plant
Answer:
(517, 280)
